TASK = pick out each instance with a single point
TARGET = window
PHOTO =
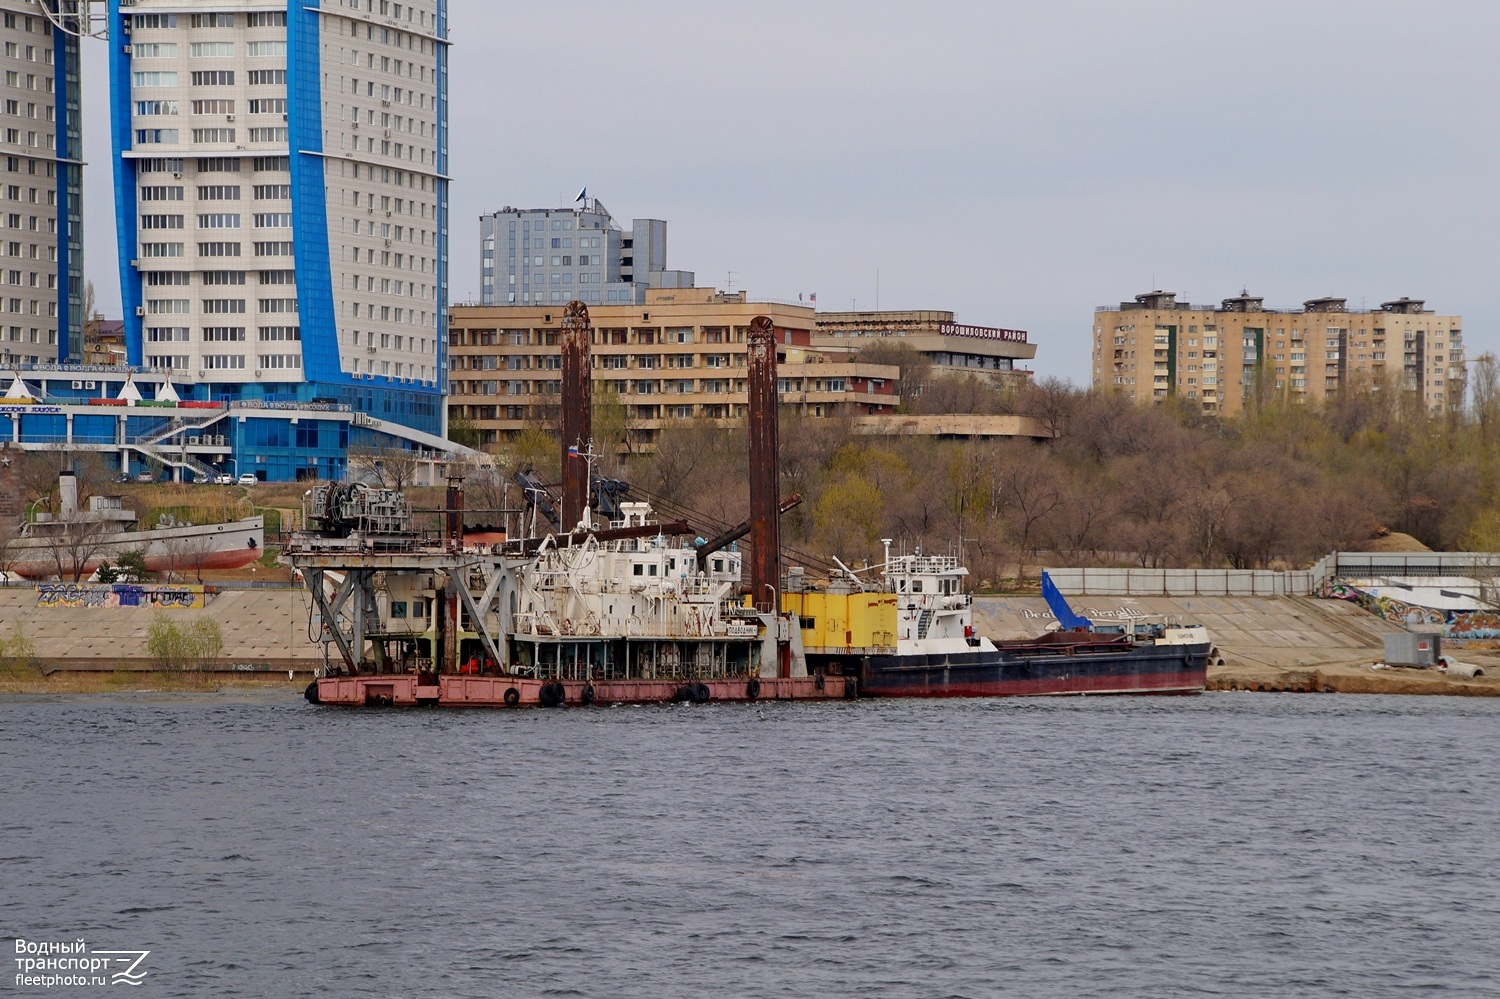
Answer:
(158, 221)
(218, 221)
(279, 361)
(211, 50)
(273, 220)
(277, 305)
(268, 192)
(167, 334)
(149, 79)
(217, 106)
(201, 78)
(223, 277)
(214, 134)
(257, 50)
(263, 163)
(268, 77)
(278, 277)
(219, 164)
(157, 279)
(152, 107)
(153, 249)
(218, 249)
(273, 249)
(223, 361)
(149, 21)
(168, 306)
(213, 20)
(279, 333)
(268, 105)
(223, 334)
(147, 136)
(219, 192)
(268, 134)
(223, 306)
(268, 19)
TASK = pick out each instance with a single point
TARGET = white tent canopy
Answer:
(167, 393)
(130, 393)
(18, 389)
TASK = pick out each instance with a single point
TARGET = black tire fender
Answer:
(512, 696)
(588, 694)
(311, 693)
(700, 693)
(752, 689)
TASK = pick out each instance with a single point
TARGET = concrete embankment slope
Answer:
(262, 628)
(1271, 643)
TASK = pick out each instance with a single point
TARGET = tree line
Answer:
(1157, 486)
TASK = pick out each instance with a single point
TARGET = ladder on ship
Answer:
(924, 621)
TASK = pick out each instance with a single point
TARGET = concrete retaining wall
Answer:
(262, 628)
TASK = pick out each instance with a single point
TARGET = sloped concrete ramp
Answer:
(1288, 632)
(262, 628)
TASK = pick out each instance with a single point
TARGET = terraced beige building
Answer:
(679, 356)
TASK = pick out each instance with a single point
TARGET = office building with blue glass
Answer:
(282, 197)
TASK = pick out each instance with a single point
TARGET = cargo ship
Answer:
(912, 635)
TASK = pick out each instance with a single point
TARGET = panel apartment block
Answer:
(41, 191)
(1223, 357)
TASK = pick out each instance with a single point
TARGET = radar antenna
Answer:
(80, 18)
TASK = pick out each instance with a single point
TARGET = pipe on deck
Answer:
(765, 497)
(577, 332)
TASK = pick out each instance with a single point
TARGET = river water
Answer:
(1223, 845)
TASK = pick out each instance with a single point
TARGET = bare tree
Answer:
(75, 544)
(391, 468)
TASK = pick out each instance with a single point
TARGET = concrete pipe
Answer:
(1465, 670)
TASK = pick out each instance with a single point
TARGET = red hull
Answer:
(491, 691)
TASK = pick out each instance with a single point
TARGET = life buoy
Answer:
(512, 696)
(752, 689)
(588, 694)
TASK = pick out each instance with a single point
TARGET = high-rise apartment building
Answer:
(1222, 357)
(41, 190)
(552, 256)
(282, 196)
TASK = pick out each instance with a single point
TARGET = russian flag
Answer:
(573, 451)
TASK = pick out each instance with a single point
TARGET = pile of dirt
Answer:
(1395, 542)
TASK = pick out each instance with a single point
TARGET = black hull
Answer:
(1031, 671)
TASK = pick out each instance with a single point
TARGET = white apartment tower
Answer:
(41, 237)
(281, 169)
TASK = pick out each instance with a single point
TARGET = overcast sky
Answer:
(1016, 163)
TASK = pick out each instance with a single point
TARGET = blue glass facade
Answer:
(404, 401)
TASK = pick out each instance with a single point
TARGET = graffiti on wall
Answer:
(149, 595)
(1453, 625)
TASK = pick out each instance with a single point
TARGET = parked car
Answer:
(145, 477)
(248, 479)
(223, 479)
